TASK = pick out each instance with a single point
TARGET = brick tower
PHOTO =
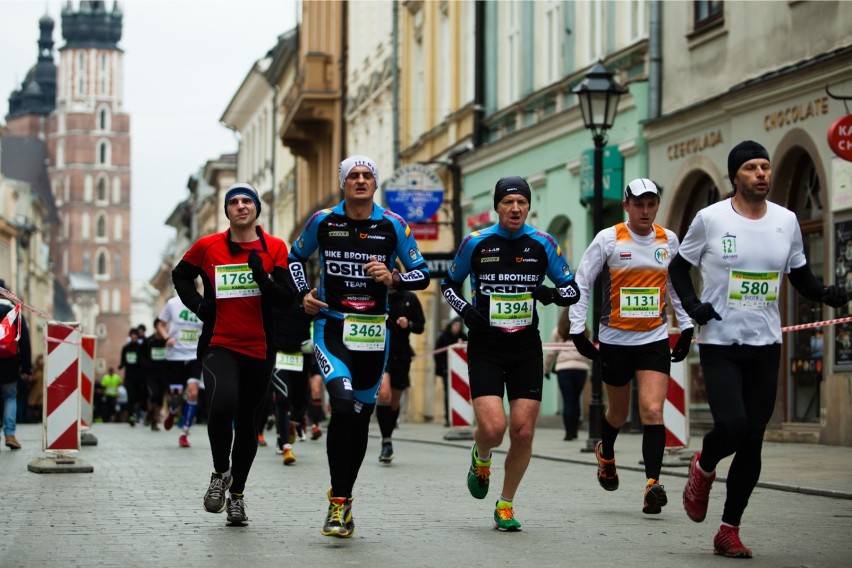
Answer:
(89, 144)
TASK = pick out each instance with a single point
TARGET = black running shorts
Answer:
(619, 363)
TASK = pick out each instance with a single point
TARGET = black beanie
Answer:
(511, 185)
(742, 153)
(242, 188)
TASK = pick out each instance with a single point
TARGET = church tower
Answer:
(30, 105)
(89, 145)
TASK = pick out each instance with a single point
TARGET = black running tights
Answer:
(741, 382)
(235, 386)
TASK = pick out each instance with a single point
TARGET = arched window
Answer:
(103, 119)
(103, 152)
(101, 226)
(102, 263)
(81, 73)
(102, 190)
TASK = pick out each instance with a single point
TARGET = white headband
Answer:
(352, 161)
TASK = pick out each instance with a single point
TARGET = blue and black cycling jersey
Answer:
(345, 246)
(500, 262)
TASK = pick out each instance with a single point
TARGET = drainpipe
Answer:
(344, 62)
(274, 158)
(479, 75)
(655, 53)
(395, 85)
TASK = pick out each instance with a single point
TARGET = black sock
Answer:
(384, 414)
(653, 446)
(395, 419)
(608, 435)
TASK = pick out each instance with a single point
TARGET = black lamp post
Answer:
(598, 96)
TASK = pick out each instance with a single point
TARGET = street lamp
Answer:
(598, 96)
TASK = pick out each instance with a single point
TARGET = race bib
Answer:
(640, 302)
(364, 333)
(235, 281)
(158, 353)
(288, 361)
(511, 310)
(188, 335)
(752, 290)
(131, 358)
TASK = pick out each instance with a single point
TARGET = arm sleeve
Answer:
(683, 319)
(453, 282)
(681, 282)
(183, 277)
(416, 276)
(590, 267)
(805, 283)
(300, 252)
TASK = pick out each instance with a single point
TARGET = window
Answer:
(81, 73)
(104, 300)
(117, 266)
(60, 154)
(116, 301)
(708, 13)
(87, 189)
(102, 191)
(102, 263)
(103, 152)
(84, 229)
(100, 226)
(117, 227)
(554, 32)
(116, 189)
(103, 119)
(102, 75)
(87, 262)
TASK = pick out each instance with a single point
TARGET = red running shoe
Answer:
(316, 432)
(183, 441)
(696, 493)
(727, 543)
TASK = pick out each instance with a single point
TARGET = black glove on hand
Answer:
(681, 348)
(834, 296)
(261, 277)
(475, 320)
(206, 311)
(703, 312)
(569, 296)
(586, 348)
(544, 294)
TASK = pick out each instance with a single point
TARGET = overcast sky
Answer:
(184, 60)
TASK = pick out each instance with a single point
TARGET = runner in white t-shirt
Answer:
(632, 260)
(743, 246)
(182, 328)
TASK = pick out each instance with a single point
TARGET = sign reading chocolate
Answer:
(694, 145)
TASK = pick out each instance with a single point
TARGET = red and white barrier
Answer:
(62, 388)
(87, 380)
(675, 408)
(461, 405)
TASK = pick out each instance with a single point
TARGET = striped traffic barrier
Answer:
(461, 404)
(61, 424)
(87, 388)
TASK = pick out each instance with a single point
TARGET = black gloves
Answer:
(586, 348)
(545, 295)
(702, 313)
(261, 277)
(475, 320)
(681, 348)
(564, 297)
(834, 296)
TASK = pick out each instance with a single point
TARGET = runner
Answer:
(182, 328)
(633, 258)
(358, 243)
(235, 347)
(405, 316)
(743, 246)
(507, 263)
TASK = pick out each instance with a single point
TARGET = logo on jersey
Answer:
(301, 243)
(338, 234)
(358, 303)
(729, 246)
(492, 250)
(364, 235)
(485, 259)
(454, 300)
(334, 224)
(298, 273)
(660, 255)
(625, 256)
(340, 268)
(566, 270)
(347, 384)
(413, 253)
(322, 361)
(520, 259)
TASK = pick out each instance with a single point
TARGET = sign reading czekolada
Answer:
(840, 137)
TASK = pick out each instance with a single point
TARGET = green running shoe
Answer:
(504, 517)
(477, 476)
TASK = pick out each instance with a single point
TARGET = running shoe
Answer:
(293, 433)
(289, 458)
(478, 475)
(169, 421)
(655, 498)
(335, 520)
(727, 543)
(348, 521)
(214, 499)
(183, 441)
(316, 432)
(131, 420)
(279, 448)
(504, 517)
(607, 474)
(696, 493)
(386, 455)
(261, 441)
(270, 422)
(237, 511)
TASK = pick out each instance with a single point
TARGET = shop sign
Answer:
(840, 137)
(415, 192)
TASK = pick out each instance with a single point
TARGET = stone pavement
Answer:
(142, 507)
